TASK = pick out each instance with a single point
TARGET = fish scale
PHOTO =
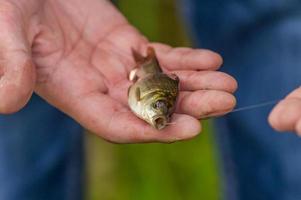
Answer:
(159, 82)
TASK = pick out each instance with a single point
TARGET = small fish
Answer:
(153, 95)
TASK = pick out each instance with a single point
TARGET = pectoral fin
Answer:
(133, 75)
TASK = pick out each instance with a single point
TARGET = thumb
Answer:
(17, 72)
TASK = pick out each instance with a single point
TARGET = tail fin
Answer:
(139, 58)
(148, 63)
(151, 54)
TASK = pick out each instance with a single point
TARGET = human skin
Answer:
(77, 56)
(286, 116)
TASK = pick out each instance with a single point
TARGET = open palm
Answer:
(77, 56)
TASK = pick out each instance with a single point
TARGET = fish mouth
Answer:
(159, 122)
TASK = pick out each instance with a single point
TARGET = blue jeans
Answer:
(40, 154)
(260, 42)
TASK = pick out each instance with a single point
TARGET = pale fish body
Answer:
(153, 95)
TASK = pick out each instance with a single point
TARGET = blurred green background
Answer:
(179, 171)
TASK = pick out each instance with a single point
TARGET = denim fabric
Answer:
(40, 154)
(260, 42)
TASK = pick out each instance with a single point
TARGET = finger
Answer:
(298, 127)
(128, 128)
(295, 94)
(187, 58)
(184, 127)
(205, 103)
(112, 121)
(17, 78)
(286, 114)
(205, 80)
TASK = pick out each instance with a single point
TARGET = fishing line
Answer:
(250, 107)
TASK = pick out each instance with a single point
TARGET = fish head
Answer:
(157, 112)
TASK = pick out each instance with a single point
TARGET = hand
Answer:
(77, 56)
(286, 116)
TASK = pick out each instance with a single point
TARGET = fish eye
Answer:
(159, 104)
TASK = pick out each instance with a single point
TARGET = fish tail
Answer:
(147, 64)
(151, 54)
(139, 58)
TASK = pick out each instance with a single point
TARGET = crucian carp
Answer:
(153, 94)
